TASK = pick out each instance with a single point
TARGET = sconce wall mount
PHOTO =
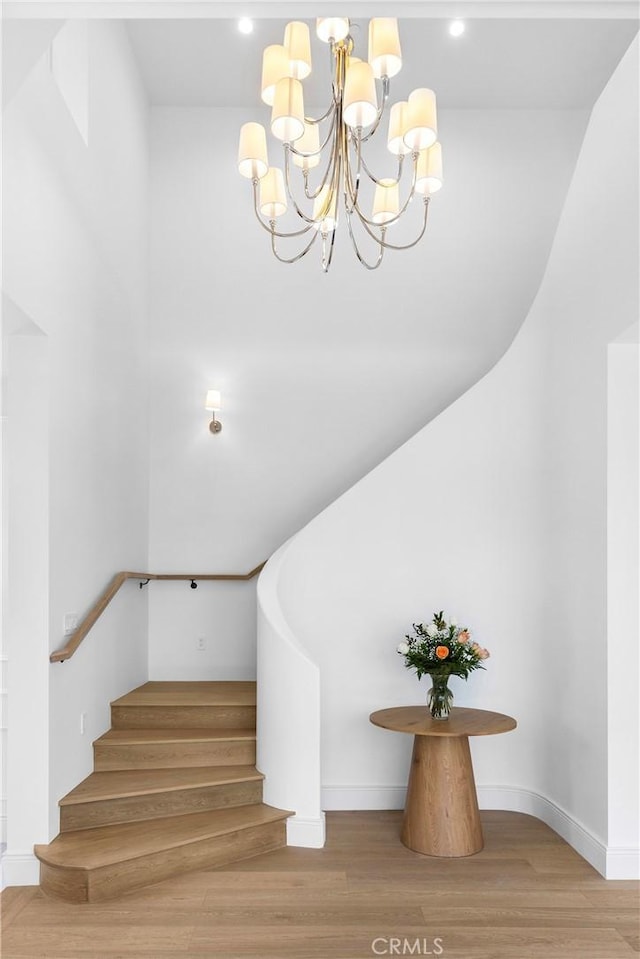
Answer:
(213, 404)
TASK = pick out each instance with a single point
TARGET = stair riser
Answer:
(71, 885)
(183, 717)
(173, 755)
(97, 885)
(170, 803)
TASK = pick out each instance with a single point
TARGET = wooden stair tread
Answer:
(190, 694)
(108, 845)
(120, 736)
(121, 783)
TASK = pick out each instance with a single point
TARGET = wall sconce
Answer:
(213, 404)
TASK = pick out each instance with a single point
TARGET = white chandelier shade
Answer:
(332, 29)
(334, 144)
(275, 66)
(384, 47)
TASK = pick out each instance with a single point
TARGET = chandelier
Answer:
(340, 137)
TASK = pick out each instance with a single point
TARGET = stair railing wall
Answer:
(98, 608)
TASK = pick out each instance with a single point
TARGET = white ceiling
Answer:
(497, 63)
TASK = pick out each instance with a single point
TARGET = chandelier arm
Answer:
(400, 212)
(314, 121)
(393, 246)
(334, 92)
(375, 179)
(269, 229)
(407, 246)
(351, 192)
(333, 71)
(326, 259)
(308, 219)
(323, 145)
(376, 123)
(329, 169)
(287, 181)
(298, 256)
(356, 250)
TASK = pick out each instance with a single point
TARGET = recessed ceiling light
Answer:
(457, 28)
(245, 25)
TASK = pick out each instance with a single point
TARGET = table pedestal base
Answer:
(441, 815)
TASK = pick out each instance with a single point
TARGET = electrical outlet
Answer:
(83, 723)
(201, 644)
(70, 623)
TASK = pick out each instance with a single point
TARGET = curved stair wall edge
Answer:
(288, 714)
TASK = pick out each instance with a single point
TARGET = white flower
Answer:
(432, 630)
(453, 621)
(403, 648)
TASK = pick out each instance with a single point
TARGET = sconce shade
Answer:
(332, 28)
(360, 100)
(212, 402)
(422, 127)
(309, 142)
(287, 114)
(275, 66)
(386, 202)
(297, 43)
(385, 55)
(429, 171)
(252, 151)
(273, 200)
(397, 128)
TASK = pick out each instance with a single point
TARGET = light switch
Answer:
(70, 623)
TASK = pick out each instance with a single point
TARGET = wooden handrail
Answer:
(98, 608)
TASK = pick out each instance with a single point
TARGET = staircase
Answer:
(175, 788)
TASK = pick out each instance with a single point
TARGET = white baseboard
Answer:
(334, 798)
(623, 862)
(19, 869)
(517, 799)
(612, 862)
(309, 833)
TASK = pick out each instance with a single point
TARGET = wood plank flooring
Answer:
(527, 895)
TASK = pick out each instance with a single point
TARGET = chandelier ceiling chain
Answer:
(352, 120)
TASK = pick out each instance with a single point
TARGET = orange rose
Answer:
(442, 652)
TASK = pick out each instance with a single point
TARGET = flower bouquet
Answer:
(441, 649)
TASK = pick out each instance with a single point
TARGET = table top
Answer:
(461, 722)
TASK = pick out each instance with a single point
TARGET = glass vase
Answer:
(439, 697)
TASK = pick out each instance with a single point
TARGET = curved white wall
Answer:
(496, 512)
(288, 709)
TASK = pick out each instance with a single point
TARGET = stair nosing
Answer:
(277, 815)
(255, 776)
(197, 735)
(167, 697)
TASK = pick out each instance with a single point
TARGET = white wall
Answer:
(495, 512)
(623, 597)
(75, 257)
(322, 376)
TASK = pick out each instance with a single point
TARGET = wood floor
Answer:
(527, 895)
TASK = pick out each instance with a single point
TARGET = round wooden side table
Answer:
(441, 816)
